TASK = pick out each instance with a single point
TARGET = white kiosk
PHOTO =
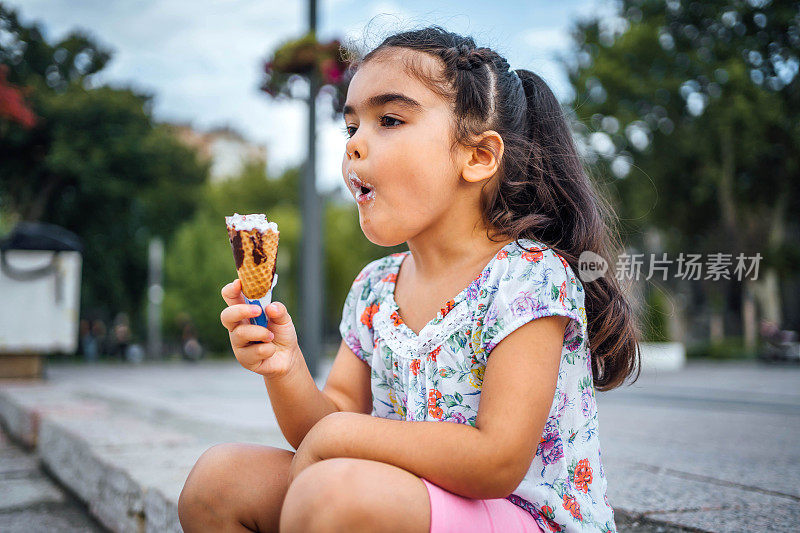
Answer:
(40, 280)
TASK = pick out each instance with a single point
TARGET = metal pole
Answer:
(155, 295)
(311, 277)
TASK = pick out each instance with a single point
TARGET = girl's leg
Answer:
(349, 494)
(235, 487)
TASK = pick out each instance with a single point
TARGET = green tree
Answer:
(694, 109)
(95, 163)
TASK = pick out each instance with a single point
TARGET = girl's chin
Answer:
(373, 233)
(381, 238)
(372, 236)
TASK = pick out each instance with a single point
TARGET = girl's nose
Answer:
(354, 151)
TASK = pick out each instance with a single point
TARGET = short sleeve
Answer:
(526, 285)
(359, 307)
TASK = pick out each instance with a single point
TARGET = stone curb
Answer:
(83, 446)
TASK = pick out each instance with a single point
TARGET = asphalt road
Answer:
(713, 446)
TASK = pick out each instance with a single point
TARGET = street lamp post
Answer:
(155, 296)
(311, 287)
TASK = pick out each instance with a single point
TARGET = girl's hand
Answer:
(272, 351)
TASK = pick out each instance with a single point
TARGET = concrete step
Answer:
(31, 502)
(127, 462)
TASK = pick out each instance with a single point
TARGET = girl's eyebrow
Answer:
(382, 99)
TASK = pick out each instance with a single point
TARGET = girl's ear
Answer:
(482, 162)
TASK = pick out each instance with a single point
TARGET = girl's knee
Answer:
(206, 484)
(227, 484)
(211, 467)
(321, 498)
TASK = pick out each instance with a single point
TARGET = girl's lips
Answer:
(363, 192)
(365, 197)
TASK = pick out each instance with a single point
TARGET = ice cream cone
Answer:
(254, 242)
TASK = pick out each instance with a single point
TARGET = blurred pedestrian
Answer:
(134, 354)
(87, 341)
(121, 335)
(100, 332)
(190, 346)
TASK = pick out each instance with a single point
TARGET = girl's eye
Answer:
(385, 117)
(383, 120)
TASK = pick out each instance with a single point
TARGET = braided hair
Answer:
(541, 190)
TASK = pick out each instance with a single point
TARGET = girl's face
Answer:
(400, 147)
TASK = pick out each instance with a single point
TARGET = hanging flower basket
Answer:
(308, 58)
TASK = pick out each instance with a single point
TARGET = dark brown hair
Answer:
(541, 190)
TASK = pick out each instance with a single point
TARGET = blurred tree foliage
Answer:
(94, 162)
(199, 261)
(694, 109)
(703, 98)
(655, 325)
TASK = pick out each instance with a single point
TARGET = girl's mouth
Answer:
(363, 192)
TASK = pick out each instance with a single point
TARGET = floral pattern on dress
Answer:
(438, 373)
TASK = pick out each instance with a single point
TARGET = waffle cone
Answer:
(256, 254)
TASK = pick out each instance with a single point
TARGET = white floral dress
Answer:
(437, 374)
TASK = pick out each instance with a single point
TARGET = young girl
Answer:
(417, 428)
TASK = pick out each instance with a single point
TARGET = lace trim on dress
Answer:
(431, 336)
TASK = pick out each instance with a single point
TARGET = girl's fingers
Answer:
(252, 356)
(232, 293)
(245, 334)
(277, 314)
(233, 315)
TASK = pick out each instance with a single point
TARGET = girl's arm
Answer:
(298, 404)
(487, 461)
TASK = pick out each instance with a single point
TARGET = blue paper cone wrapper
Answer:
(263, 302)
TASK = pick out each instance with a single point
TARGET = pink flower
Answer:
(550, 446)
(587, 402)
(331, 72)
(353, 341)
(458, 418)
(524, 305)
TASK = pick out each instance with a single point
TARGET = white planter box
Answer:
(40, 315)
(662, 356)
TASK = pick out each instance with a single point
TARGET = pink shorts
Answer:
(451, 513)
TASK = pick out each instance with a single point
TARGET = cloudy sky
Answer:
(202, 58)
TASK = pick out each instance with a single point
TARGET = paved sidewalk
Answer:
(710, 448)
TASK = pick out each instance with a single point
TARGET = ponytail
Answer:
(554, 202)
